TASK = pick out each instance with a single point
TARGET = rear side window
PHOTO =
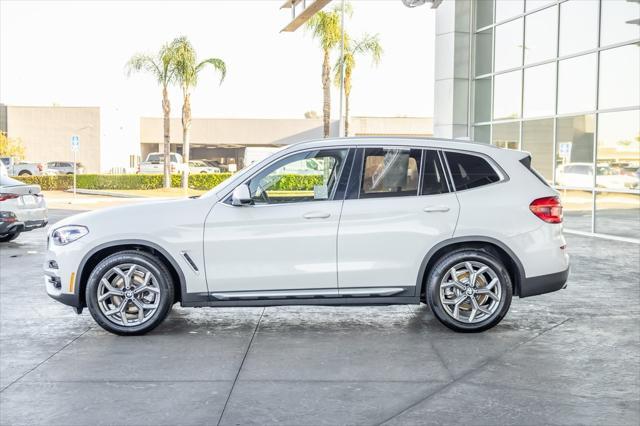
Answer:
(390, 172)
(433, 180)
(470, 171)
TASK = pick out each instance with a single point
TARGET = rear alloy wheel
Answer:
(469, 290)
(129, 293)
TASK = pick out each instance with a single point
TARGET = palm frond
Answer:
(218, 65)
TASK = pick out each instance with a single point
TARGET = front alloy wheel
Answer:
(129, 292)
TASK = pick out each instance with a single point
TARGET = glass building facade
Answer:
(561, 79)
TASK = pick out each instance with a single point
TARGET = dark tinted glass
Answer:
(470, 171)
(433, 180)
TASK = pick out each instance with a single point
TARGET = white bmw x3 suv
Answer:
(364, 221)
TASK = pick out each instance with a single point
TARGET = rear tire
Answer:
(469, 290)
(5, 238)
(24, 173)
(129, 293)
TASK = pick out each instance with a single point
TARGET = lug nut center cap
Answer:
(128, 294)
(470, 291)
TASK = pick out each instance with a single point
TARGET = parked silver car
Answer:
(64, 167)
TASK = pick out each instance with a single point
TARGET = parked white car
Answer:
(580, 175)
(458, 225)
(197, 166)
(154, 163)
(22, 207)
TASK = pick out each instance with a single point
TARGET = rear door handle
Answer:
(436, 209)
(316, 215)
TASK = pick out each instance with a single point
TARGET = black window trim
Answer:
(492, 163)
(226, 199)
(444, 168)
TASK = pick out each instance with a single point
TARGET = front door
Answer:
(286, 239)
(398, 209)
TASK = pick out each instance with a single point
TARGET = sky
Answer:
(72, 53)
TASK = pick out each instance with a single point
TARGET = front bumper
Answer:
(542, 284)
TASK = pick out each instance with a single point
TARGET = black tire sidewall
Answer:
(163, 278)
(438, 272)
(5, 238)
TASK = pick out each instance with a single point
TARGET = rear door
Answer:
(398, 207)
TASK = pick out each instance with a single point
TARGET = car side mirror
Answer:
(241, 196)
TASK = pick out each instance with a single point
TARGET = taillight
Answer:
(4, 197)
(173, 168)
(548, 209)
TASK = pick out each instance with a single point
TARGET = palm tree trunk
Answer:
(166, 110)
(326, 88)
(186, 132)
(346, 113)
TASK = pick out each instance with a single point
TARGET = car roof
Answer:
(420, 142)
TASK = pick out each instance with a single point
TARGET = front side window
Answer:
(306, 176)
(470, 171)
(390, 172)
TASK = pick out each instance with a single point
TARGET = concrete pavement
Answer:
(571, 357)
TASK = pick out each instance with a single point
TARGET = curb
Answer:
(103, 193)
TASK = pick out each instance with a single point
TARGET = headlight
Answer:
(68, 234)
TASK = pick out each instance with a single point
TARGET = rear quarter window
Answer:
(470, 171)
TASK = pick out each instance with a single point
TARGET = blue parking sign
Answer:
(75, 143)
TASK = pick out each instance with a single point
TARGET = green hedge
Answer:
(196, 181)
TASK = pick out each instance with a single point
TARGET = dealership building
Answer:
(560, 79)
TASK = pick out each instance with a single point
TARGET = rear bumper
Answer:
(11, 227)
(542, 284)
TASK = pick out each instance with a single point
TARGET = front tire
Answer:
(129, 293)
(469, 290)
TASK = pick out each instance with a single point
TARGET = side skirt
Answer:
(325, 301)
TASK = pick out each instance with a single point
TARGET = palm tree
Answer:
(187, 69)
(161, 66)
(327, 28)
(368, 45)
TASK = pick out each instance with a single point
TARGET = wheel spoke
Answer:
(111, 288)
(454, 283)
(492, 283)
(488, 293)
(455, 301)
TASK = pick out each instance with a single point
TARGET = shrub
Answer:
(200, 181)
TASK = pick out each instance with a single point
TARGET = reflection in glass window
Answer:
(620, 77)
(482, 133)
(574, 151)
(484, 13)
(506, 9)
(307, 176)
(578, 20)
(618, 214)
(506, 135)
(537, 138)
(506, 95)
(484, 45)
(390, 172)
(618, 155)
(619, 21)
(534, 4)
(482, 100)
(541, 35)
(577, 209)
(577, 84)
(539, 90)
(508, 52)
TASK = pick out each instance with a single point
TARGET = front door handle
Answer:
(436, 209)
(316, 215)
